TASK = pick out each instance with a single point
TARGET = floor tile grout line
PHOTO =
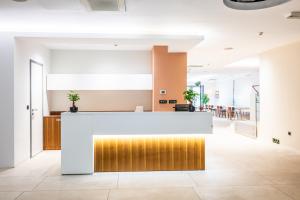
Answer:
(285, 193)
(118, 186)
(43, 179)
(272, 182)
(198, 193)
(193, 180)
(108, 194)
(19, 195)
(195, 185)
(49, 170)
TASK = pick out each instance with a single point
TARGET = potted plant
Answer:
(190, 96)
(204, 100)
(73, 96)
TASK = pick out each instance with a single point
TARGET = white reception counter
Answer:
(78, 129)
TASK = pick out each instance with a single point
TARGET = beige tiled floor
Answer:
(157, 194)
(241, 193)
(65, 195)
(155, 180)
(237, 168)
(9, 195)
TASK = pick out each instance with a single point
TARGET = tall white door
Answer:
(36, 86)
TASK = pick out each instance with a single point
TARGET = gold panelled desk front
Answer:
(149, 153)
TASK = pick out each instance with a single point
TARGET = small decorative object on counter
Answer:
(190, 96)
(73, 96)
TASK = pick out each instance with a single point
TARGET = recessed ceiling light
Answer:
(195, 66)
(293, 15)
(253, 4)
(228, 48)
(212, 79)
(19, 0)
(104, 5)
(261, 33)
(115, 45)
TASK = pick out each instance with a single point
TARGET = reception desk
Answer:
(129, 141)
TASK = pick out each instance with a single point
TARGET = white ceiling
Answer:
(209, 74)
(117, 42)
(221, 27)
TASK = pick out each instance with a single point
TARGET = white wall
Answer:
(6, 100)
(101, 62)
(24, 51)
(99, 81)
(280, 95)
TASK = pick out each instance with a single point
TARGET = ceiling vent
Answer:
(105, 5)
(252, 4)
(294, 15)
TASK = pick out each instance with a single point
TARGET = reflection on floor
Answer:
(237, 168)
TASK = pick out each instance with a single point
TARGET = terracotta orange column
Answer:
(170, 74)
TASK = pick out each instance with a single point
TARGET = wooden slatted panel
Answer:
(52, 133)
(151, 153)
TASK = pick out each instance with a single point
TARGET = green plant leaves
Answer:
(73, 96)
(190, 95)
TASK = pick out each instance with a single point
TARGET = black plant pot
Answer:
(73, 109)
(192, 108)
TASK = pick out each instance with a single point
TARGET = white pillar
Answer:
(6, 100)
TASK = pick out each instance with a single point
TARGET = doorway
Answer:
(36, 108)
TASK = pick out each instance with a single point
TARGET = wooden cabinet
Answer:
(52, 133)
